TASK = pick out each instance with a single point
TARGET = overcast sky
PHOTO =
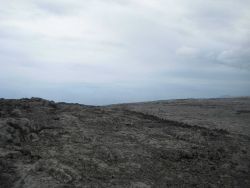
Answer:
(111, 51)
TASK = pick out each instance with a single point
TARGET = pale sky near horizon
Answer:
(112, 51)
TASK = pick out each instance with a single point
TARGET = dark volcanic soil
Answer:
(45, 144)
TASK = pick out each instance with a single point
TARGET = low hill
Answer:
(231, 114)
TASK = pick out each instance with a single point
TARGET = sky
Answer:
(113, 51)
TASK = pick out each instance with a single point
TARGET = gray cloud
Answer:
(236, 57)
(124, 48)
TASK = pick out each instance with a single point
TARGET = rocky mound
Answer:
(46, 144)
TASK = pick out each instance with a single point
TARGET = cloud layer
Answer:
(100, 52)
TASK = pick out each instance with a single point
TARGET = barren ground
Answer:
(231, 114)
(182, 143)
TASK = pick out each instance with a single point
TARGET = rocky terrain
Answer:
(180, 143)
(231, 114)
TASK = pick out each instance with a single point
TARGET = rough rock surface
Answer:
(231, 114)
(45, 144)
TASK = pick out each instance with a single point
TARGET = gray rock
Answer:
(62, 145)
